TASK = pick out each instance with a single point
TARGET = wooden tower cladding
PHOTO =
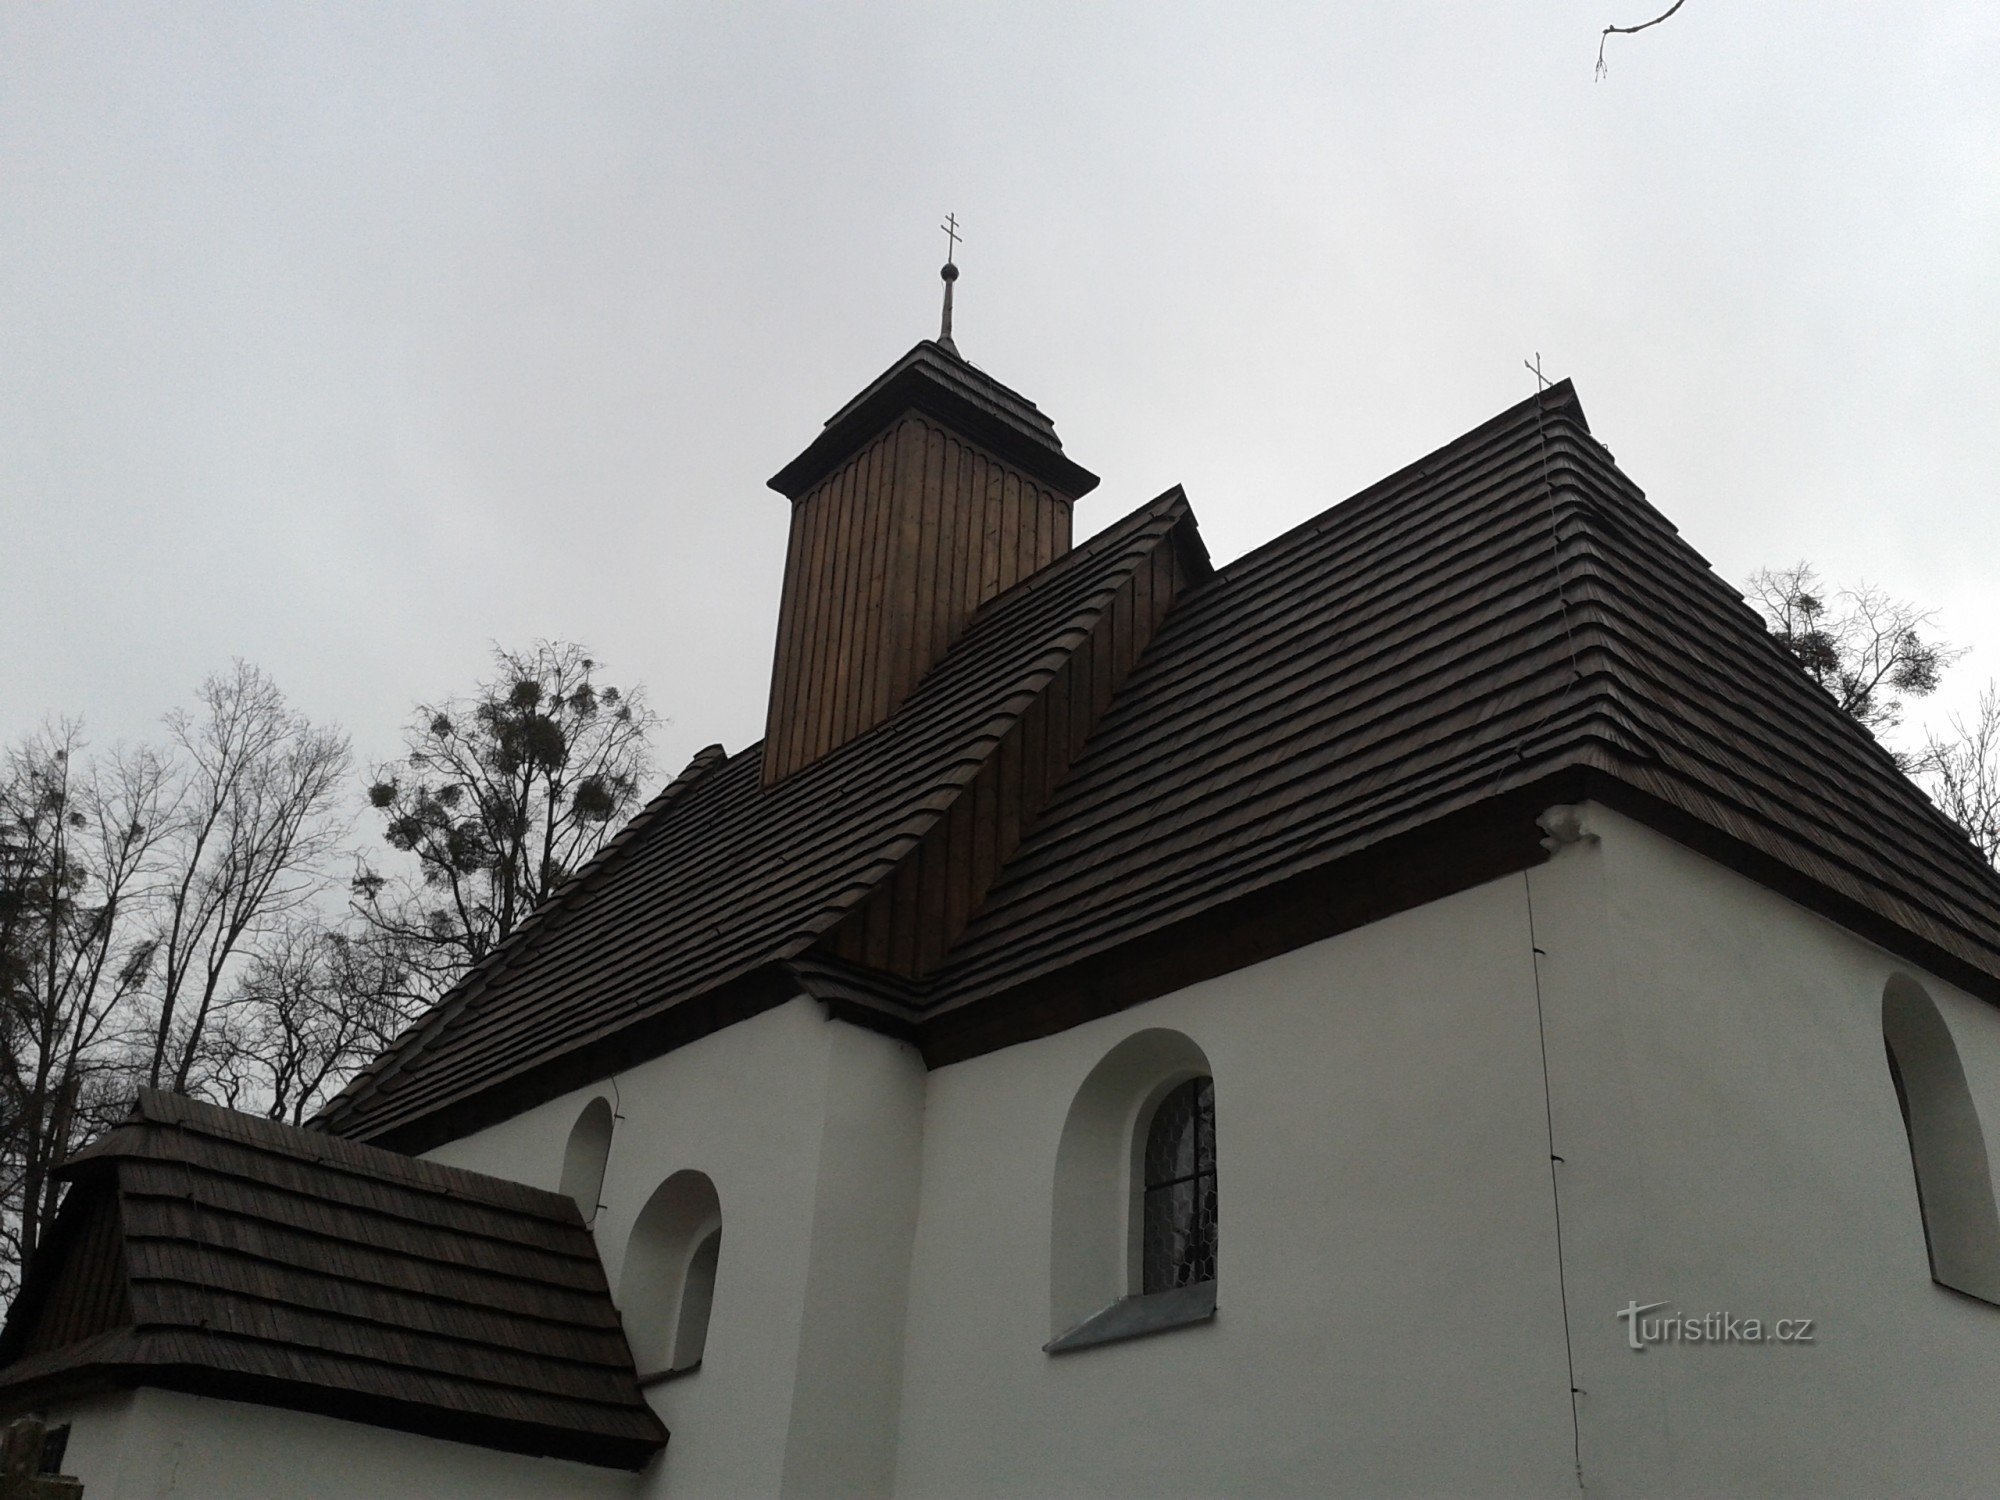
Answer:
(934, 490)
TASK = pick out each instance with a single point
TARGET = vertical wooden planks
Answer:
(937, 615)
(889, 558)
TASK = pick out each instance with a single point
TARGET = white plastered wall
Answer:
(810, 1130)
(154, 1445)
(1388, 1316)
(1732, 1143)
(1394, 1315)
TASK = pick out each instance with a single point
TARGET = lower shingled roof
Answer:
(203, 1250)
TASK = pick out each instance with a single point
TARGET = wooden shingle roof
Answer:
(685, 921)
(1364, 714)
(1505, 624)
(203, 1250)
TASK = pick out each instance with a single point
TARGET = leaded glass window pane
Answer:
(1177, 1243)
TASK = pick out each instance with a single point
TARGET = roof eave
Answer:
(913, 387)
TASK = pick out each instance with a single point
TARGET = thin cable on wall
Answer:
(1535, 956)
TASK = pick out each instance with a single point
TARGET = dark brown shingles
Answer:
(734, 876)
(1506, 608)
(275, 1264)
(1501, 615)
(902, 927)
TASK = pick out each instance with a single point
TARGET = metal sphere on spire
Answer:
(949, 274)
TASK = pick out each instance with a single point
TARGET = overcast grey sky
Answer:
(349, 338)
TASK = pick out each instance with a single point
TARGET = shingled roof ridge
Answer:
(520, 942)
(999, 617)
(1041, 593)
(886, 929)
(160, 1107)
(1558, 402)
(1371, 602)
(1741, 625)
(1795, 779)
(1850, 766)
(1171, 502)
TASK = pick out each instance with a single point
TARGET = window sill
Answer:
(1137, 1316)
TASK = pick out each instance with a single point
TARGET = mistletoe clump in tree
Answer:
(498, 797)
(1868, 650)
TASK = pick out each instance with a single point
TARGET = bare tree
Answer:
(312, 1005)
(1961, 771)
(249, 829)
(1869, 650)
(76, 844)
(499, 796)
(1611, 31)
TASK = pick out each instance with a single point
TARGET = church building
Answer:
(1440, 1005)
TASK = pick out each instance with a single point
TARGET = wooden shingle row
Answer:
(201, 1250)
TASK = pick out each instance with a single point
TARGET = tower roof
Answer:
(935, 380)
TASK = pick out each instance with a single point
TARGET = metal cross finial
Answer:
(1541, 380)
(950, 274)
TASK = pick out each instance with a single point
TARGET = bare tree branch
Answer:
(1868, 650)
(1611, 31)
(1961, 771)
(251, 828)
(76, 840)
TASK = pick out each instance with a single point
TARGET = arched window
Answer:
(1133, 1247)
(667, 1288)
(1947, 1145)
(584, 1157)
(1177, 1198)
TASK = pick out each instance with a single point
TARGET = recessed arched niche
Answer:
(1947, 1143)
(1100, 1285)
(666, 1291)
(584, 1157)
